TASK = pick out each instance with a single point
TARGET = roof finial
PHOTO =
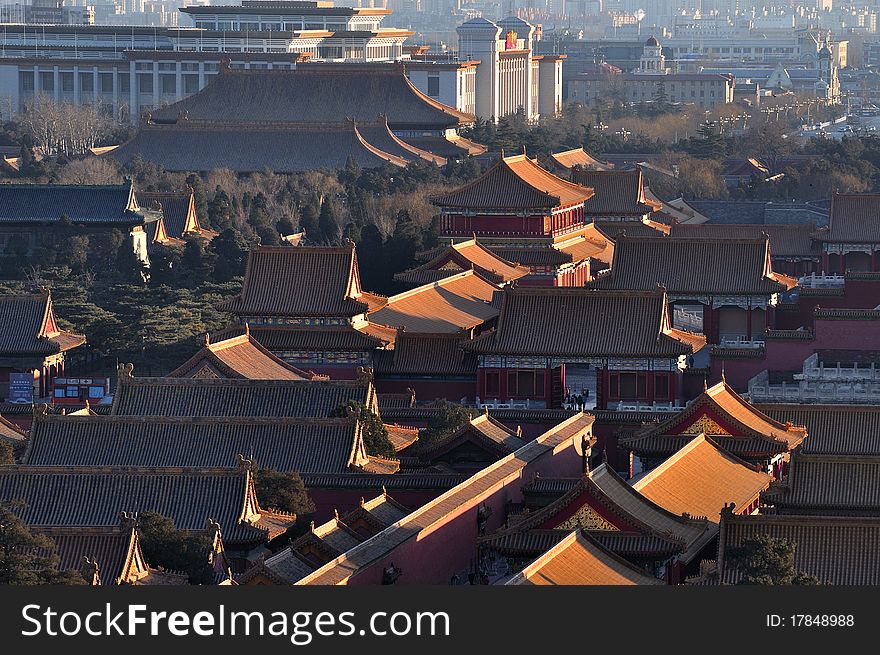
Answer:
(524, 148)
(88, 405)
(362, 501)
(207, 339)
(336, 514)
(705, 384)
(722, 374)
(247, 329)
(502, 152)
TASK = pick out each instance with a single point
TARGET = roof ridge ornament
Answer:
(125, 371)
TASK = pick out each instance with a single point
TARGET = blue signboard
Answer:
(21, 387)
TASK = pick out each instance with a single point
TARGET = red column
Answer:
(548, 386)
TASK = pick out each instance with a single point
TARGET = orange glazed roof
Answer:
(456, 303)
(581, 560)
(515, 183)
(753, 432)
(460, 257)
(700, 479)
(579, 157)
(238, 357)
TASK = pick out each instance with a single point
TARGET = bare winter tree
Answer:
(62, 128)
(91, 170)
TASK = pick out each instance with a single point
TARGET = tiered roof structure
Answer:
(460, 257)
(515, 183)
(701, 478)
(728, 420)
(301, 301)
(312, 117)
(579, 559)
(525, 214)
(327, 541)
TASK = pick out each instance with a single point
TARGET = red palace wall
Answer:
(858, 294)
(449, 546)
(789, 355)
(427, 390)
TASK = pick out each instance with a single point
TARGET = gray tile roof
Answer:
(299, 281)
(837, 550)
(203, 147)
(692, 266)
(110, 204)
(833, 429)
(577, 322)
(83, 496)
(761, 212)
(302, 445)
(317, 93)
(235, 397)
(28, 327)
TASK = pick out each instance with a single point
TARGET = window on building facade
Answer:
(628, 386)
(190, 83)
(86, 83)
(47, 82)
(26, 79)
(67, 82)
(493, 383)
(124, 82)
(433, 86)
(168, 84)
(661, 387)
(145, 83)
(525, 384)
(106, 82)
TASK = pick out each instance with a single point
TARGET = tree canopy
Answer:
(767, 560)
(28, 558)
